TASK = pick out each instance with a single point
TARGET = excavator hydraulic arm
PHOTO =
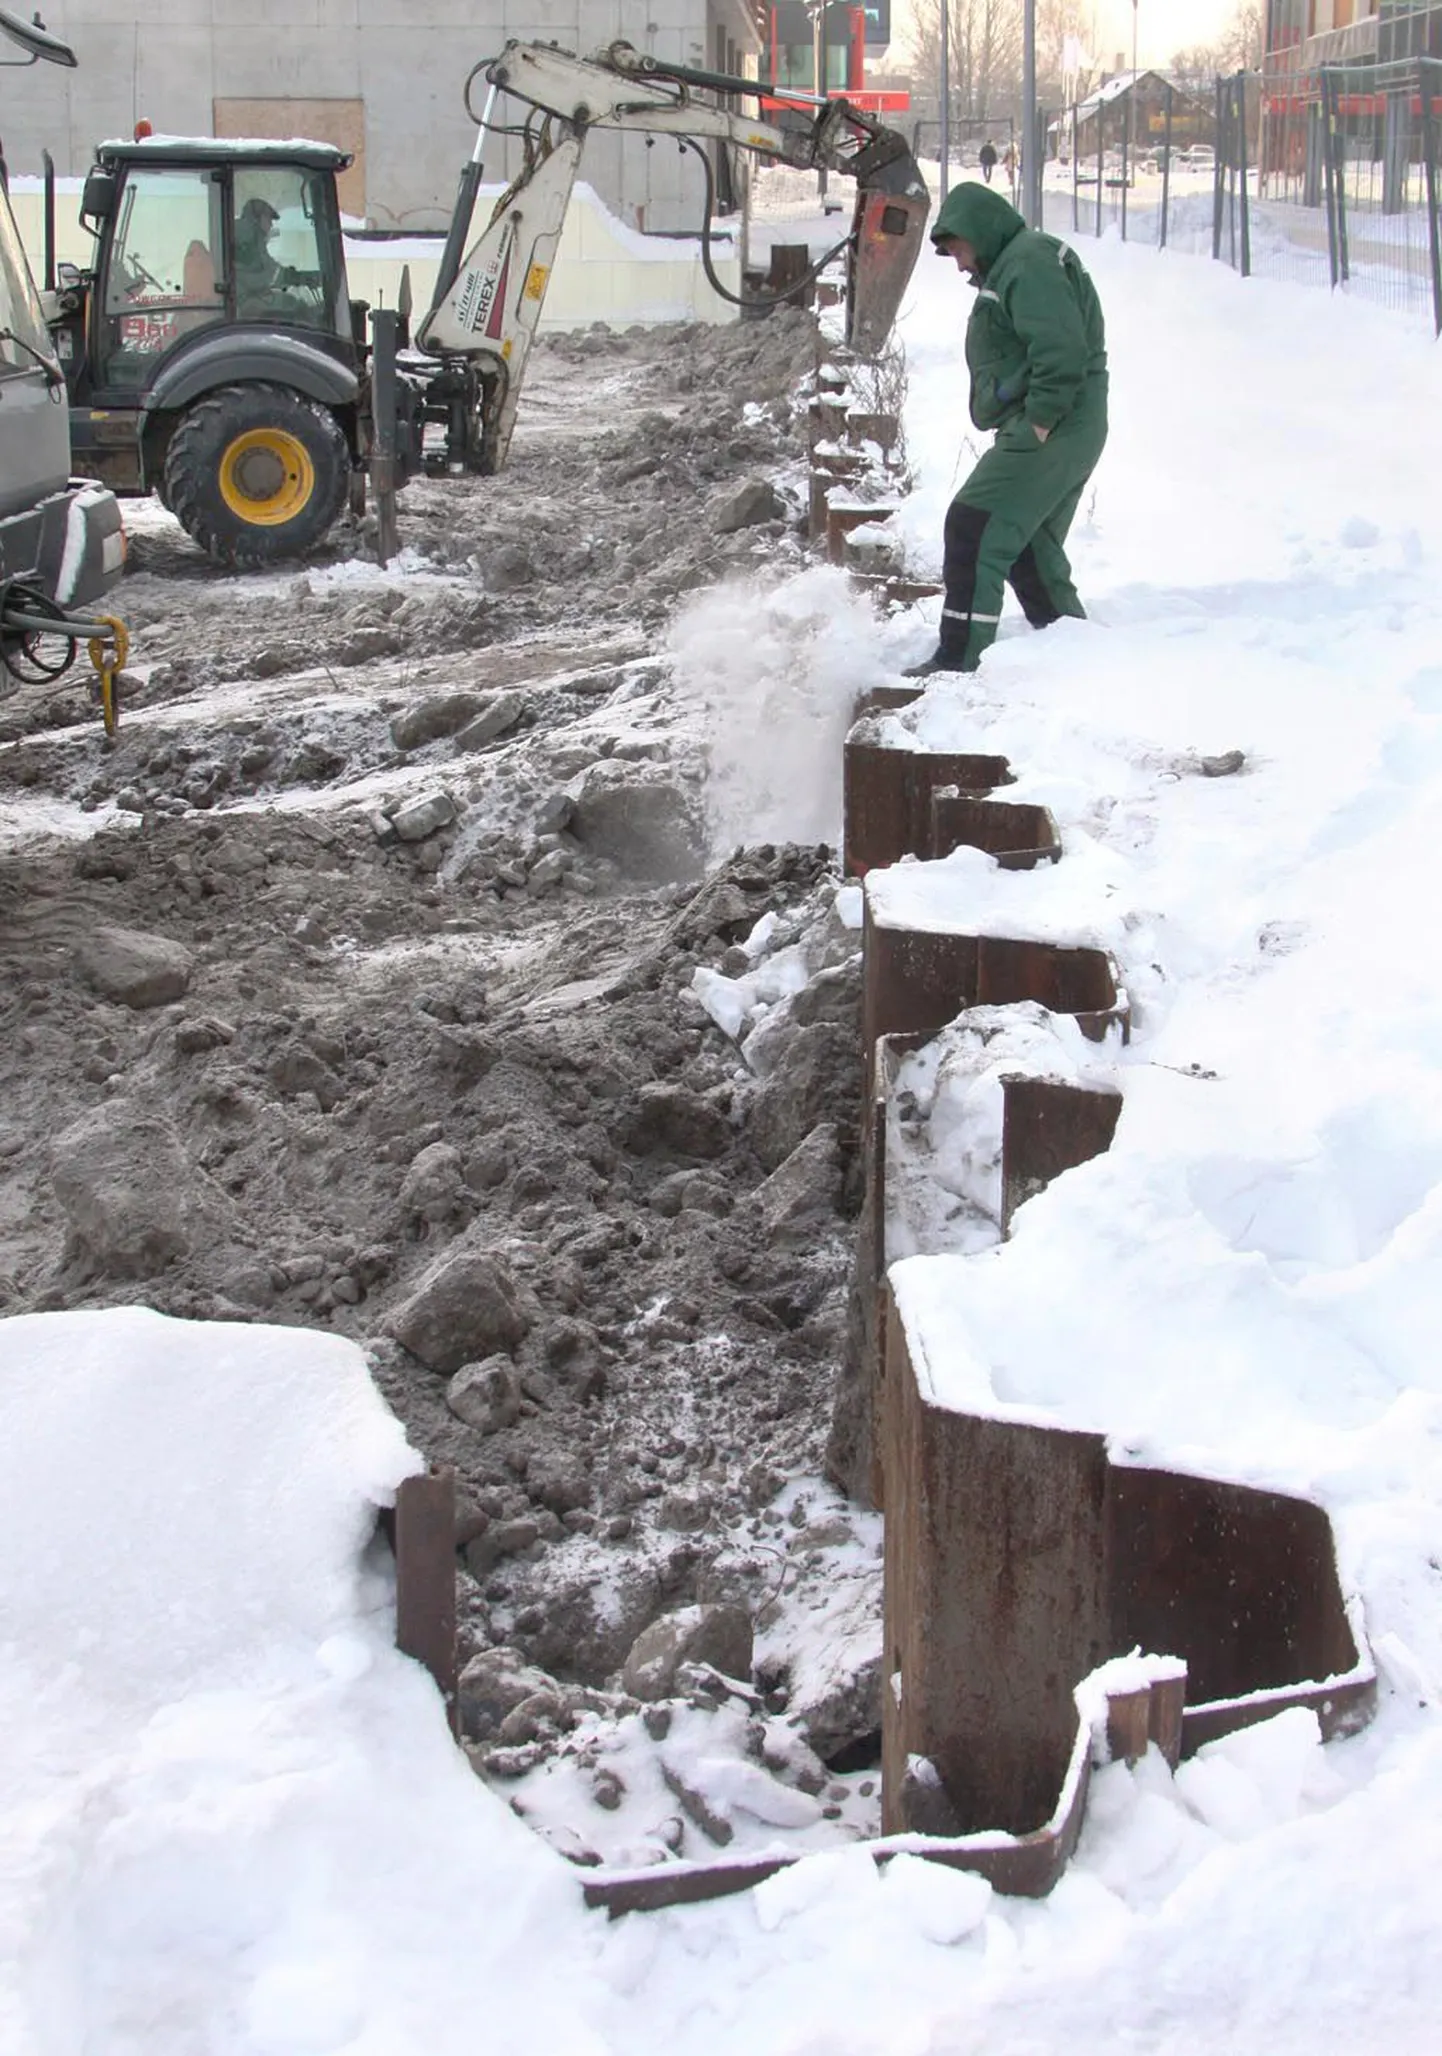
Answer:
(492, 281)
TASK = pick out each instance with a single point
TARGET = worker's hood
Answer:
(980, 217)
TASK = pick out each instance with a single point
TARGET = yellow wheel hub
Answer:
(266, 477)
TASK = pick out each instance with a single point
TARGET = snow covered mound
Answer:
(232, 1812)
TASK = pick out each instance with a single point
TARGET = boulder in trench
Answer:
(493, 1685)
(747, 506)
(670, 1120)
(465, 1308)
(434, 1187)
(716, 1635)
(819, 1072)
(420, 817)
(429, 719)
(640, 819)
(130, 1193)
(486, 1396)
(802, 1195)
(135, 968)
(496, 716)
(588, 1625)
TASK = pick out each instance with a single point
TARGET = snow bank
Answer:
(234, 1817)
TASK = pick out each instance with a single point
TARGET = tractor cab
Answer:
(192, 238)
(196, 243)
(210, 350)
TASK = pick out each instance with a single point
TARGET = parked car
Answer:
(1200, 157)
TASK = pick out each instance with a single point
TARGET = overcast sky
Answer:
(1163, 26)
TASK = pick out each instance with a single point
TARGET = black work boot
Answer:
(941, 659)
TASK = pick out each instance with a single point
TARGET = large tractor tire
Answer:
(256, 474)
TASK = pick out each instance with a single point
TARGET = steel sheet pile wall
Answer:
(1018, 1557)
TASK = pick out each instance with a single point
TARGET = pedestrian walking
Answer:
(1036, 354)
(987, 157)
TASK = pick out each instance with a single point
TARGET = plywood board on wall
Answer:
(341, 122)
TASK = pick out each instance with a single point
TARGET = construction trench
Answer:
(394, 975)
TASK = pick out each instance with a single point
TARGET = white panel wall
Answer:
(603, 272)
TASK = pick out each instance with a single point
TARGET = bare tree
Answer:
(1195, 68)
(1066, 68)
(984, 57)
(1244, 38)
(1240, 47)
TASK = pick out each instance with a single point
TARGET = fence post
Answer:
(1329, 172)
(1219, 172)
(1075, 176)
(1396, 152)
(1127, 152)
(1314, 172)
(1246, 252)
(1101, 160)
(1431, 78)
(1166, 171)
(1339, 146)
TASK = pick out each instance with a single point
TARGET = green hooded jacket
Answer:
(1035, 343)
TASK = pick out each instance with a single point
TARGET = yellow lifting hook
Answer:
(108, 654)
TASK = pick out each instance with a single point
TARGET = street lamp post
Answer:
(1030, 153)
(1132, 97)
(818, 73)
(945, 96)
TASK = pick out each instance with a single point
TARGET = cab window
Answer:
(25, 336)
(165, 272)
(281, 272)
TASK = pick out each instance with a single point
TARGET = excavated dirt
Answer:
(353, 988)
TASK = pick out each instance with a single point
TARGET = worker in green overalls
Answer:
(1036, 351)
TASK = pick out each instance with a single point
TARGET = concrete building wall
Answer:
(403, 63)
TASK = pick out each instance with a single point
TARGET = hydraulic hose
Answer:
(27, 616)
(724, 292)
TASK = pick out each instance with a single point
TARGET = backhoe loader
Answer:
(214, 355)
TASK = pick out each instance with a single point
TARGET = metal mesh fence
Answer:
(1328, 177)
(1141, 165)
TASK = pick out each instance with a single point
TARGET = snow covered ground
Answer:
(235, 1823)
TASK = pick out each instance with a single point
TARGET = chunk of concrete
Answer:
(717, 1635)
(136, 968)
(641, 820)
(428, 720)
(421, 817)
(128, 1189)
(747, 507)
(465, 1308)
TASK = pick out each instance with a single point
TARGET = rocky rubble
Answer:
(371, 982)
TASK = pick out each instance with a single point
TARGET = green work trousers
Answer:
(1009, 523)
